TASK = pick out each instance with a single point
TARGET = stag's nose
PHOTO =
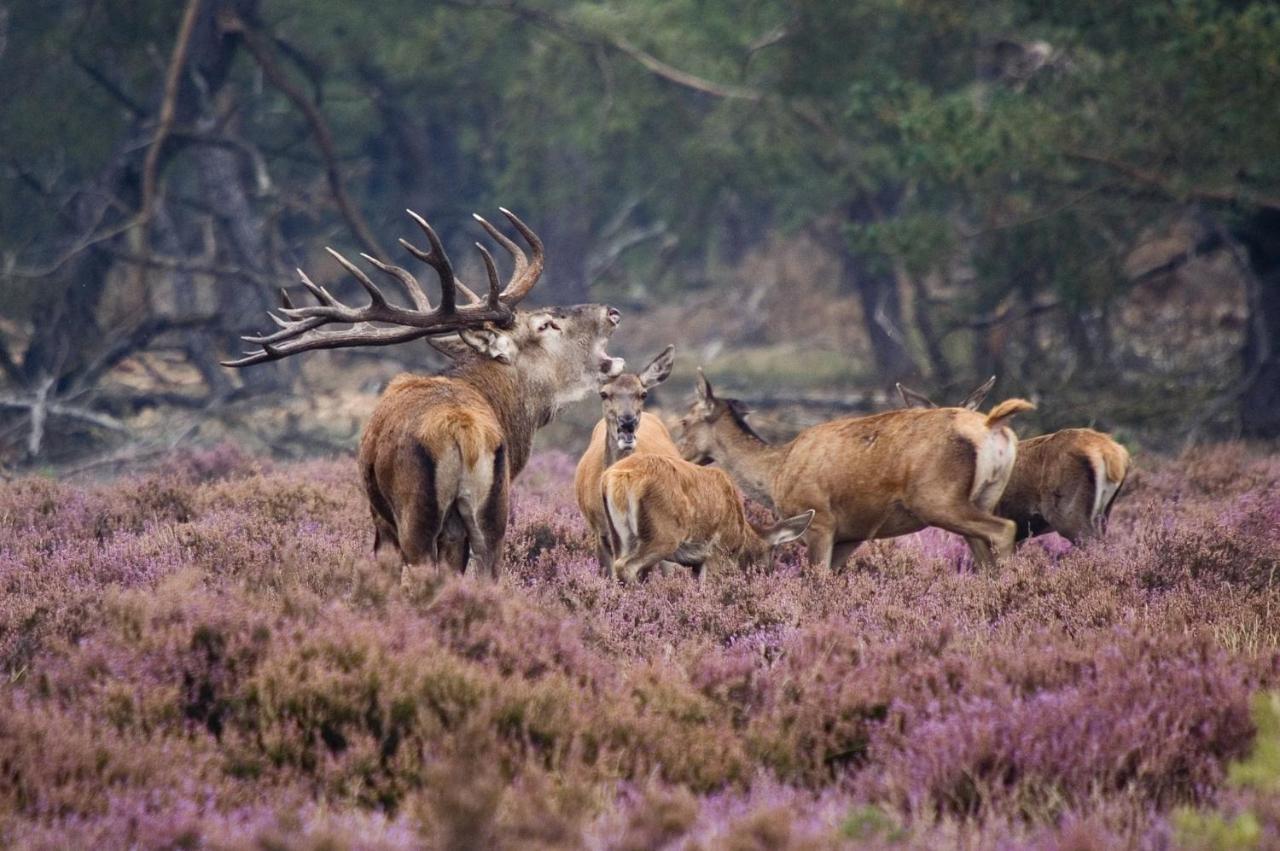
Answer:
(628, 423)
(613, 315)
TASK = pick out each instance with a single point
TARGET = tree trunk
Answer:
(68, 335)
(1260, 401)
(876, 287)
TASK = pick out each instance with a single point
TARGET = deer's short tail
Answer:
(1005, 410)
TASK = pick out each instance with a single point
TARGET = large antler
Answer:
(301, 329)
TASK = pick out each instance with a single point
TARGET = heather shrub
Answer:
(208, 655)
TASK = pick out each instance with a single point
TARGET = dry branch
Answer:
(168, 105)
(262, 54)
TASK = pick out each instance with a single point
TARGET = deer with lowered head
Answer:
(661, 509)
(1064, 482)
(624, 429)
(439, 452)
(870, 477)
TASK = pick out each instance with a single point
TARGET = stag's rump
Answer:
(431, 442)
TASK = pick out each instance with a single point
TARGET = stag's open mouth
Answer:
(610, 367)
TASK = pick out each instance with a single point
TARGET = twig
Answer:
(1002, 316)
(1166, 187)
(178, 264)
(139, 452)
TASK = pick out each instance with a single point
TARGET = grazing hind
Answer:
(666, 509)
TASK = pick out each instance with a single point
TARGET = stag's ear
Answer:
(974, 399)
(450, 346)
(912, 399)
(704, 388)
(789, 529)
(659, 369)
(491, 343)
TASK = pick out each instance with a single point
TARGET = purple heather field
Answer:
(207, 656)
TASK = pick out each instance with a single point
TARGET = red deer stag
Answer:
(439, 453)
(624, 429)
(665, 509)
(1064, 482)
(879, 476)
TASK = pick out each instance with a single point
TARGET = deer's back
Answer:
(865, 471)
(701, 503)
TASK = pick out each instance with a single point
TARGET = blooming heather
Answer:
(208, 655)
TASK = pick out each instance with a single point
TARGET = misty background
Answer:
(812, 199)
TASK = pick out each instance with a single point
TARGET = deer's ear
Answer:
(451, 346)
(491, 343)
(704, 388)
(789, 529)
(913, 399)
(659, 369)
(974, 399)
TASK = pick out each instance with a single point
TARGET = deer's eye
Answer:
(604, 395)
(644, 396)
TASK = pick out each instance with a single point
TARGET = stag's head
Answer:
(623, 396)
(710, 419)
(561, 348)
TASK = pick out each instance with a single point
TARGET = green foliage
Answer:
(891, 107)
(1257, 775)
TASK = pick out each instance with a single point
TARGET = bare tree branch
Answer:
(109, 85)
(139, 338)
(164, 123)
(260, 48)
(588, 38)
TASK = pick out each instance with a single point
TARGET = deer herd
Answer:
(439, 453)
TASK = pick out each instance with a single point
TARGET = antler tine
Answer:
(527, 270)
(407, 281)
(517, 253)
(522, 280)
(369, 286)
(322, 295)
(381, 322)
(491, 269)
(438, 259)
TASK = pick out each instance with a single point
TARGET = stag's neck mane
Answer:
(521, 404)
(747, 457)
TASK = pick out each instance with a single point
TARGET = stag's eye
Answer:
(604, 395)
(644, 396)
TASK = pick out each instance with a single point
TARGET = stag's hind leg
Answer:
(484, 506)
